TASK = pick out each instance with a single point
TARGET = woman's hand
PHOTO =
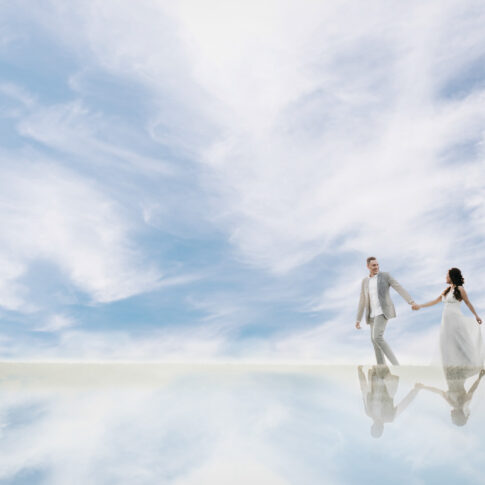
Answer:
(416, 306)
(479, 320)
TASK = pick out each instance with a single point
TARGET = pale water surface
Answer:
(232, 424)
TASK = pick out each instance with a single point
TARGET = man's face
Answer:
(373, 266)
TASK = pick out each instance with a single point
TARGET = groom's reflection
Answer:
(378, 392)
(457, 396)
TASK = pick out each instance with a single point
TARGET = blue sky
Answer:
(188, 425)
(205, 180)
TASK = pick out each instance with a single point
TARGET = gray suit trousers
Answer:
(381, 347)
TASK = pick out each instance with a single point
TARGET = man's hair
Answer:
(370, 258)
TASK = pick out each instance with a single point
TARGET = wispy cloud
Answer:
(56, 323)
(50, 213)
(300, 139)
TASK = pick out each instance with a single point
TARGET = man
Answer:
(375, 298)
(378, 393)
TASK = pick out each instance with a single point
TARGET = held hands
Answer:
(415, 306)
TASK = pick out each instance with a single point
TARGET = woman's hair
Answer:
(457, 279)
(458, 417)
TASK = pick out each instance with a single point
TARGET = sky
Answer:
(275, 425)
(204, 180)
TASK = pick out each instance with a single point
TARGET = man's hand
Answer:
(357, 325)
(415, 306)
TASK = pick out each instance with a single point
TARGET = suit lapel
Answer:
(380, 286)
(367, 296)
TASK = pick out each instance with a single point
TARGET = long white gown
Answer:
(460, 337)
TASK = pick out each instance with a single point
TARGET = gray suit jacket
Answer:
(384, 282)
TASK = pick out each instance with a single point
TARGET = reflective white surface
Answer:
(186, 424)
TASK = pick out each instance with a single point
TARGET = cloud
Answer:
(16, 92)
(190, 344)
(305, 114)
(76, 130)
(305, 137)
(52, 214)
(56, 323)
(239, 471)
(367, 175)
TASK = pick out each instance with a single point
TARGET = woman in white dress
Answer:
(457, 396)
(462, 351)
(460, 337)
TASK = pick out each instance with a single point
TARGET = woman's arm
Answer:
(468, 303)
(435, 390)
(475, 385)
(430, 303)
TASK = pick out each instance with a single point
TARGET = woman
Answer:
(460, 337)
(456, 395)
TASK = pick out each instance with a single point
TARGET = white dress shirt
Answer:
(375, 306)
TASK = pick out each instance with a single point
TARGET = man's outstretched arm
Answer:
(400, 290)
(407, 400)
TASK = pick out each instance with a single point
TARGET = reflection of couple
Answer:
(380, 388)
(460, 338)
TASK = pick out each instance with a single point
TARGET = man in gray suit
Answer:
(376, 300)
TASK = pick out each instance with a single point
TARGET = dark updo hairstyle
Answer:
(457, 279)
(458, 417)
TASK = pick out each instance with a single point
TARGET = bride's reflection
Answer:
(461, 346)
(378, 392)
(457, 396)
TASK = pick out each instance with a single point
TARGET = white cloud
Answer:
(56, 323)
(11, 292)
(74, 129)
(16, 92)
(332, 127)
(191, 344)
(320, 131)
(55, 215)
(239, 471)
(309, 102)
